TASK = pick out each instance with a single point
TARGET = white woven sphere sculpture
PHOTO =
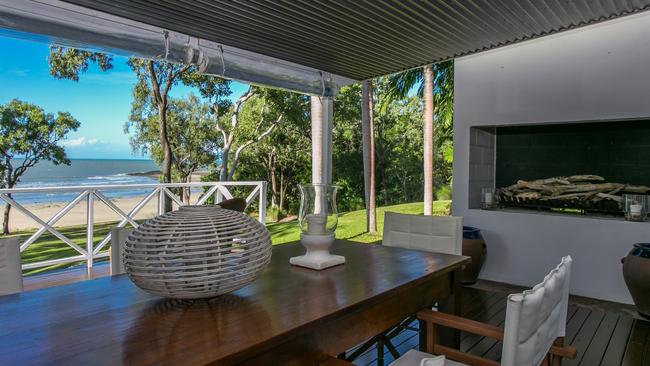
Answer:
(197, 252)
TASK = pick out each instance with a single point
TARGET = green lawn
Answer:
(351, 226)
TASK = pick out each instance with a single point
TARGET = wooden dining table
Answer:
(287, 316)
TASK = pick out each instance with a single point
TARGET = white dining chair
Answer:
(440, 234)
(534, 331)
(118, 238)
(11, 273)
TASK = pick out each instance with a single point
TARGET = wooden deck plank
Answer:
(574, 325)
(594, 353)
(485, 344)
(585, 335)
(471, 309)
(478, 345)
(636, 350)
(616, 347)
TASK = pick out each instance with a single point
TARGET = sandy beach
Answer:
(77, 216)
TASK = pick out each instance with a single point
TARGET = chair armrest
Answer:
(456, 322)
(331, 361)
(569, 352)
(462, 357)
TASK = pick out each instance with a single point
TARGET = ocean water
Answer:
(85, 172)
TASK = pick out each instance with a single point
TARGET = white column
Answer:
(322, 113)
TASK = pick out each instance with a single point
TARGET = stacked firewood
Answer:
(588, 187)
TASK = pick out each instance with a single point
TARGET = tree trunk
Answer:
(10, 184)
(283, 190)
(5, 219)
(428, 139)
(381, 166)
(223, 172)
(270, 176)
(367, 132)
(187, 191)
(274, 185)
(167, 152)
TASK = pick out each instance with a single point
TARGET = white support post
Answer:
(118, 238)
(262, 205)
(161, 201)
(11, 275)
(317, 240)
(322, 112)
(90, 219)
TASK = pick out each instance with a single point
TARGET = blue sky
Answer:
(101, 101)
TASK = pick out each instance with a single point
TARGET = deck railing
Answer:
(218, 190)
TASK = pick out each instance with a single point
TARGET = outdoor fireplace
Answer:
(575, 103)
(583, 168)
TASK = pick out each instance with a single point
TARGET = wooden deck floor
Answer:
(605, 338)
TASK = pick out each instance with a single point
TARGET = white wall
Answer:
(600, 72)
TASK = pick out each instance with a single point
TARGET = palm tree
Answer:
(434, 84)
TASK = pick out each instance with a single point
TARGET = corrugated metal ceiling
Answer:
(364, 39)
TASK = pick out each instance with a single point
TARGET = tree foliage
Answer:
(28, 135)
(194, 143)
(68, 63)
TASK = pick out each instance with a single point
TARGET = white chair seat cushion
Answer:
(415, 358)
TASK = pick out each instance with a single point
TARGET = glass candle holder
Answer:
(636, 207)
(318, 214)
(318, 219)
(488, 198)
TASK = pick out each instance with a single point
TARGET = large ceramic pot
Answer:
(636, 271)
(473, 246)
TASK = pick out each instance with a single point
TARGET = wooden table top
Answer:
(110, 321)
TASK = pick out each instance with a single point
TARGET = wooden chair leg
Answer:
(557, 360)
(432, 336)
(380, 352)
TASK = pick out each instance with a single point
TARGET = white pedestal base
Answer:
(318, 256)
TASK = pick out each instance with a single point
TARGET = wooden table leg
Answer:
(451, 305)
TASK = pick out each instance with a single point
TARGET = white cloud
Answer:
(81, 141)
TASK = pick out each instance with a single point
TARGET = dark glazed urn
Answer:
(636, 272)
(473, 246)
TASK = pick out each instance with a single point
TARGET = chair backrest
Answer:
(118, 238)
(441, 234)
(536, 317)
(11, 273)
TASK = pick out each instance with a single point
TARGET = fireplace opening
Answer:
(584, 168)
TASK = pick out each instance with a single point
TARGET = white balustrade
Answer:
(218, 190)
